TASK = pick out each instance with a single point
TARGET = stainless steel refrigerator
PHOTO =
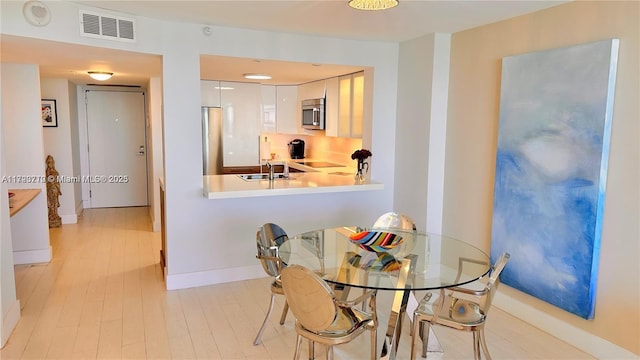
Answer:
(212, 140)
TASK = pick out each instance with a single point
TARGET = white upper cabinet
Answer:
(287, 115)
(268, 108)
(357, 104)
(332, 106)
(312, 90)
(240, 123)
(345, 106)
(210, 93)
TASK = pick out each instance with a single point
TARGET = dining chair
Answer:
(321, 317)
(268, 240)
(459, 308)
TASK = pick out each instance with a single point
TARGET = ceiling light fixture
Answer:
(100, 75)
(373, 4)
(257, 76)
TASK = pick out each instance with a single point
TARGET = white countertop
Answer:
(338, 169)
(232, 186)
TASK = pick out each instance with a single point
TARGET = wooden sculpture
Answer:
(53, 192)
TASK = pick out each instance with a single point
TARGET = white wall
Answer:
(59, 143)
(198, 229)
(9, 305)
(423, 83)
(23, 155)
(471, 151)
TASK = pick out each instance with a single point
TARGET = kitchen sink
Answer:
(263, 176)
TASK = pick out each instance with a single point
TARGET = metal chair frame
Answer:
(321, 317)
(269, 256)
(451, 310)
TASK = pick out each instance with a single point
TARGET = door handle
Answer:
(141, 150)
(316, 116)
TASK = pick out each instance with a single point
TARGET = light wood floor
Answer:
(102, 296)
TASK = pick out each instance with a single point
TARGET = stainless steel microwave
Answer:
(313, 114)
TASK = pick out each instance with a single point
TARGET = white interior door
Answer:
(117, 148)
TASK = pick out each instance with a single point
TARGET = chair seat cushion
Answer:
(455, 312)
(347, 321)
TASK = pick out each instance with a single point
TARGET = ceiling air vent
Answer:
(104, 26)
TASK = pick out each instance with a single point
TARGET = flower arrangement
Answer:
(361, 154)
(363, 166)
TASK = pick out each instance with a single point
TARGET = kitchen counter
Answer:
(232, 186)
(21, 199)
(339, 169)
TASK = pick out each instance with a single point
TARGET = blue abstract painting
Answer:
(551, 168)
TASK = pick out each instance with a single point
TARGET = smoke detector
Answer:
(36, 13)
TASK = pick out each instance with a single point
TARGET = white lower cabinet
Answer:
(240, 123)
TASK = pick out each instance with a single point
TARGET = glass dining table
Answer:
(406, 261)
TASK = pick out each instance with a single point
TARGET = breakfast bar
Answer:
(234, 186)
(308, 176)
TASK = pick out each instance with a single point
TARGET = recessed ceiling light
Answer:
(100, 75)
(257, 76)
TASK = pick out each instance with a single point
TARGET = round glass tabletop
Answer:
(432, 261)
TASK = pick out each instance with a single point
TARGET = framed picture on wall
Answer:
(49, 113)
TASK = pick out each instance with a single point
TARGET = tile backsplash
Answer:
(325, 148)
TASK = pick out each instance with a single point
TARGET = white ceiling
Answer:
(333, 18)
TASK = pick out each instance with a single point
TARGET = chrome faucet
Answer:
(271, 170)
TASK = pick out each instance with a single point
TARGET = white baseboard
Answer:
(69, 219)
(9, 322)
(73, 218)
(585, 341)
(32, 256)
(211, 277)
